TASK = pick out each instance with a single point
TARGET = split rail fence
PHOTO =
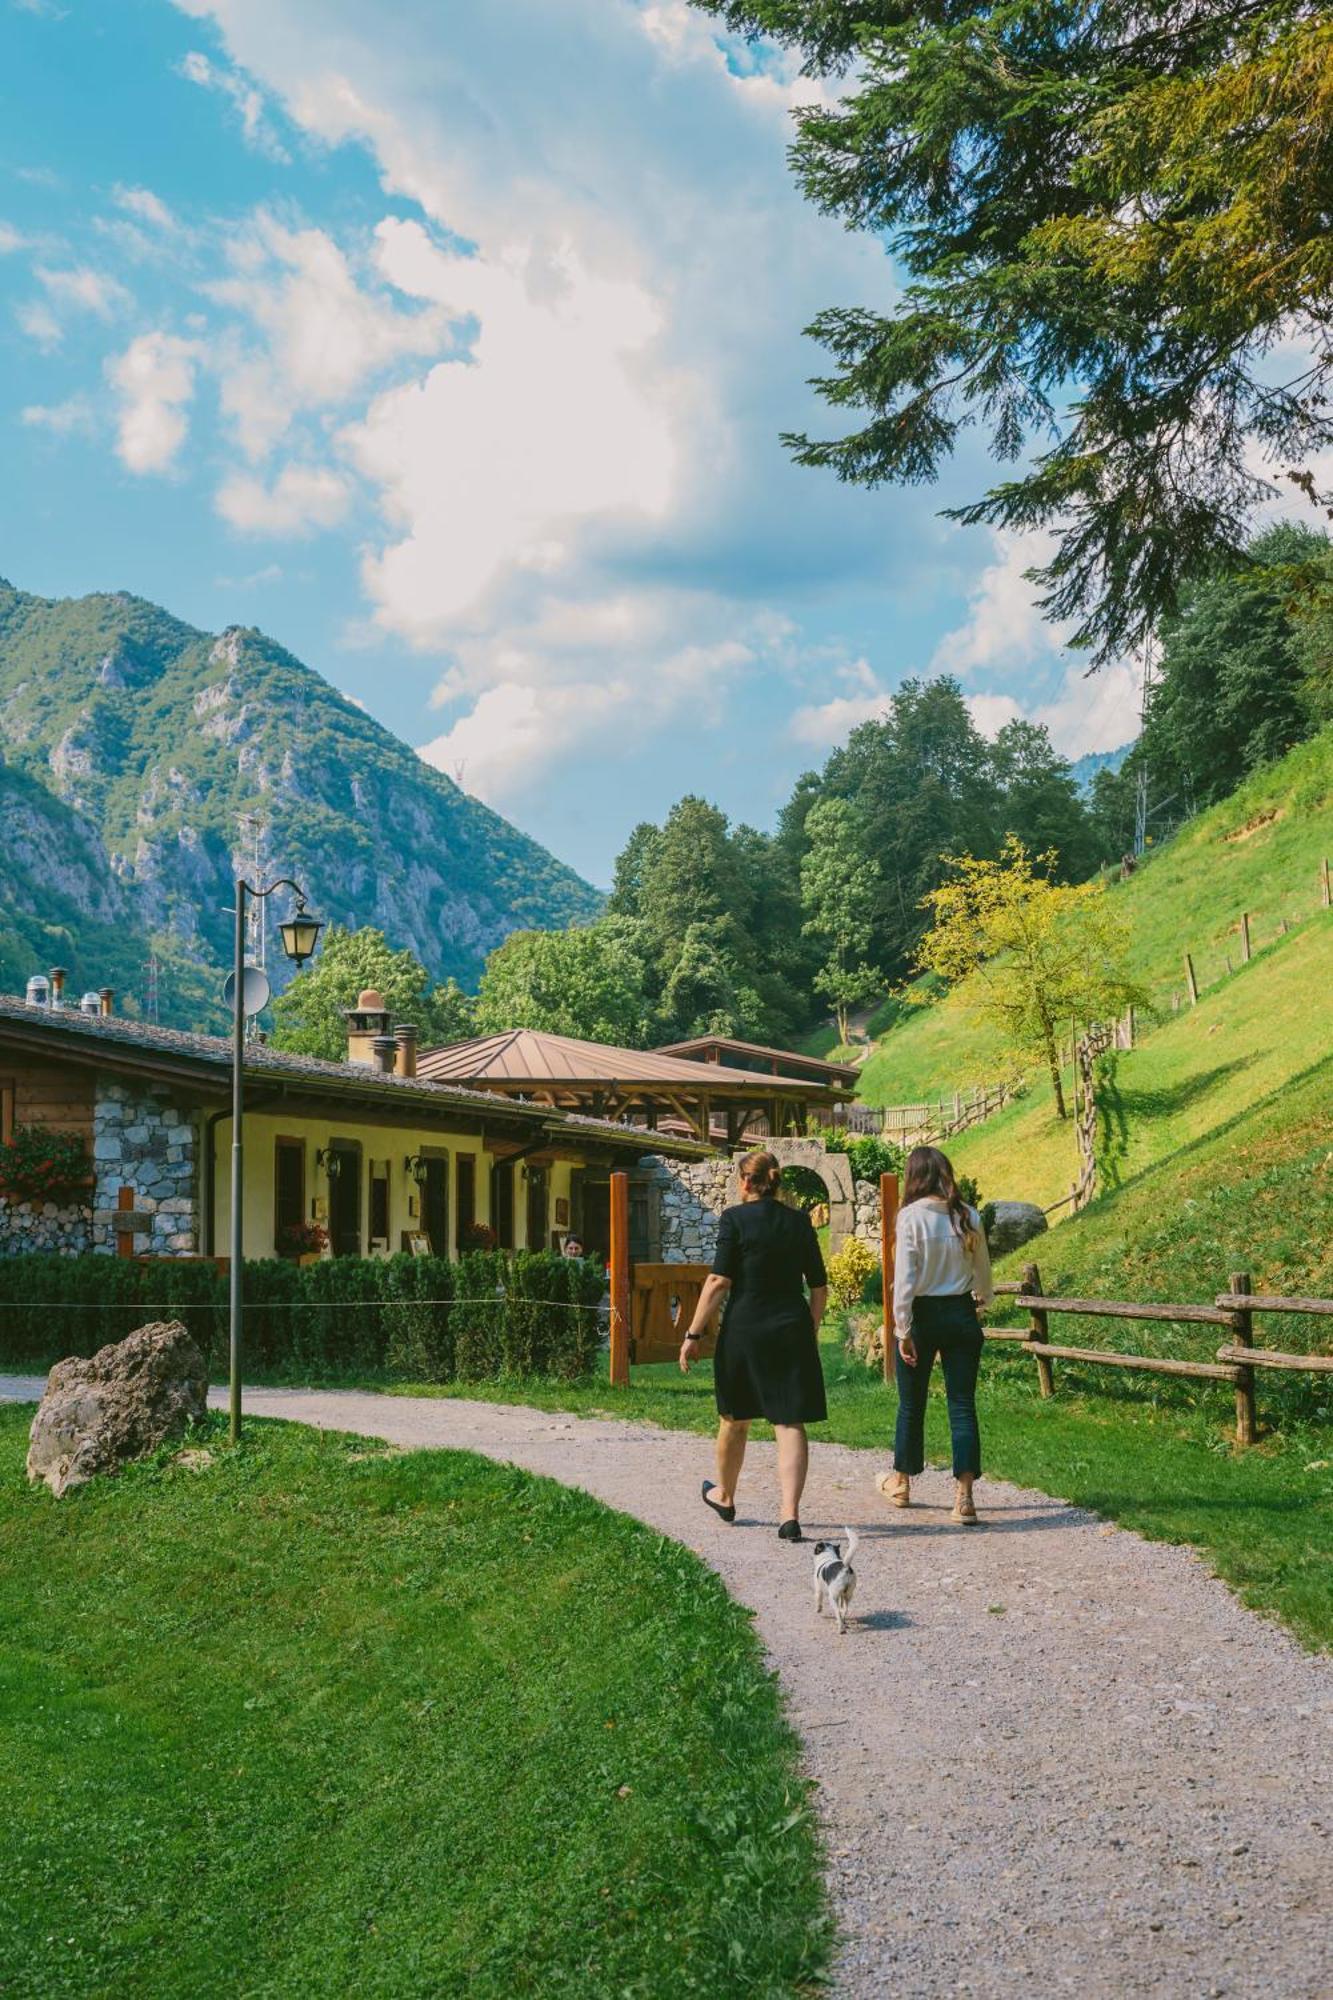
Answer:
(929, 1123)
(1234, 1310)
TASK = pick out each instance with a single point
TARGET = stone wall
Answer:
(692, 1194)
(63, 1230)
(143, 1140)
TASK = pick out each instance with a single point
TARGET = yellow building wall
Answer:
(380, 1144)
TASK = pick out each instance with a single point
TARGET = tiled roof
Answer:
(212, 1053)
(522, 1055)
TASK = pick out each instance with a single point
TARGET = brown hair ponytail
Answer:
(760, 1173)
(931, 1172)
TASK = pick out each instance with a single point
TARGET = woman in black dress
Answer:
(767, 1362)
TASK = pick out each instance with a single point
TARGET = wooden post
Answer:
(888, 1250)
(1242, 1326)
(1190, 981)
(1245, 937)
(620, 1281)
(1325, 887)
(124, 1231)
(1038, 1331)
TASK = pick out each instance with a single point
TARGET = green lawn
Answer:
(327, 1719)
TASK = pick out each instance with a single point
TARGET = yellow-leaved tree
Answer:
(1038, 953)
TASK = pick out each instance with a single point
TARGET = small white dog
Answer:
(835, 1579)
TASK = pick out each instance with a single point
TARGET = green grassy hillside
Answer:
(1256, 1029)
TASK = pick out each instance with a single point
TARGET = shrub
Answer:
(421, 1318)
(849, 1270)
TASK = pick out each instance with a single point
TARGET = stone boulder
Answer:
(1011, 1224)
(118, 1405)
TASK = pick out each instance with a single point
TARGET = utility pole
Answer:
(1141, 783)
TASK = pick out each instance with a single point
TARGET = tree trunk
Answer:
(1053, 1064)
(840, 1016)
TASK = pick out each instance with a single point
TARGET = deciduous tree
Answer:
(587, 983)
(308, 1016)
(839, 887)
(1035, 952)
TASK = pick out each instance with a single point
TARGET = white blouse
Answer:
(935, 1260)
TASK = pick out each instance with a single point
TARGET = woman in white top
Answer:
(941, 1276)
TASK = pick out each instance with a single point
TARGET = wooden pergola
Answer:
(708, 1100)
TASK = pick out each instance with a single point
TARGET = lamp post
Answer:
(299, 935)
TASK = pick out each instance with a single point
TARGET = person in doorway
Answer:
(572, 1246)
(942, 1276)
(767, 1362)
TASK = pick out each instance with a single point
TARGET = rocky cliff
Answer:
(134, 749)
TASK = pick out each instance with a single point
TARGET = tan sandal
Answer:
(964, 1510)
(897, 1489)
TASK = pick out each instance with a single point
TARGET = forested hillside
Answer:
(136, 746)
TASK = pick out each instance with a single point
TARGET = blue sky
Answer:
(451, 345)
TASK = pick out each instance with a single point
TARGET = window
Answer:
(504, 1204)
(466, 1196)
(379, 1202)
(288, 1185)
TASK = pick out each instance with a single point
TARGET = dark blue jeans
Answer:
(950, 1328)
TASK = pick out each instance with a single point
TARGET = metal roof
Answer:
(836, 1072)
(207, 1058)
(525, 1056)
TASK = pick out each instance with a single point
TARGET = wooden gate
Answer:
(662, 1302)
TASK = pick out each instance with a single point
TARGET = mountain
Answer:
(133, 747)
(1084, 769)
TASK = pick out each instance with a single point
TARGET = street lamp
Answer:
(299, 935)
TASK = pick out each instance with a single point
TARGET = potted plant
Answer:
(40, 1165)
(305, 1241)
(477, 1236)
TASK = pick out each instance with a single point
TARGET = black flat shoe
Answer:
(723, 1513)
(790, 1531)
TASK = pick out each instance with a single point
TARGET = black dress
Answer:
(767, 1362)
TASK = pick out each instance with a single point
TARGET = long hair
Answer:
(930, 1171)
(760, 1173)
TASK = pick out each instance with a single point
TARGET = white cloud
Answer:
(496, 460)
(81, 289)
(145, 206)
(301, 499)
(1004, 626)
(321, 334)
(74, 414)
(154, 379)
(245, 98)
(39, 323)
(11, 240)
(607, 217)
(991, 712)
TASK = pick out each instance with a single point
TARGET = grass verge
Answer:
(323, 1718)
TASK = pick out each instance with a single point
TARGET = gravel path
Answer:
(1052, 1758)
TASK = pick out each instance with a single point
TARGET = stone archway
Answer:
(834, 1169)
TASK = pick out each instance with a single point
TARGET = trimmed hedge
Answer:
(421, 1318)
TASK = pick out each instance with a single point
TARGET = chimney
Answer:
(57, 985)
(369, 1018)
(383, 1048)
(38, 992)
(107, 996)
(91, 1006)
(405, 1063)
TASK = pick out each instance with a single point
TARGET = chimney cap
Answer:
(370, 1001)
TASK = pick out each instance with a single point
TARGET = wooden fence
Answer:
(930, 1123)
(1204, 970)
(1236, 1360)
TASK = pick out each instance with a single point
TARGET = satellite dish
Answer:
(255, 990)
